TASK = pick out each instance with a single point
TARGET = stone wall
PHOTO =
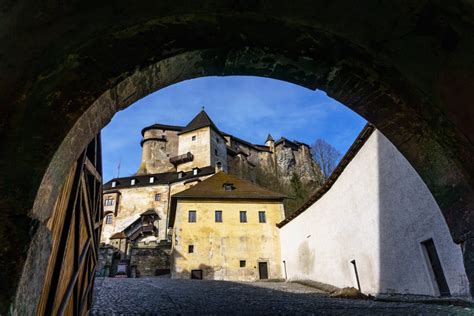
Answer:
(378, 213)
(150, 259)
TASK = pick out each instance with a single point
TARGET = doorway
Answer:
(263, 270)
(436, 268)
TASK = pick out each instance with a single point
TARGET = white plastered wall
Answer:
(378, 212)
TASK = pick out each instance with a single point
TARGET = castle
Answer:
(373, 224)
(174, 159)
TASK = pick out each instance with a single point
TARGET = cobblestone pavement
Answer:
(164, 296)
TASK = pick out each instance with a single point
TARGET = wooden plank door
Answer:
(263, 270)
(436, 267)
(75, 226)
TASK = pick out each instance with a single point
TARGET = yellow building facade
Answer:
(224, 228)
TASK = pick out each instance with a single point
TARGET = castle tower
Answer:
(270, 142)
(159, 143)
(201, 144)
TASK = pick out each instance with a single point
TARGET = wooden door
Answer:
(75, 226)
(263, 270)
(436, 267)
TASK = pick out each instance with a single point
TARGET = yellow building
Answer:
(224, 228)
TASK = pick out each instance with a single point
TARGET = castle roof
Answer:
(199, 121)
(269, 138)
(162, 126)
(158, 179)
(213, 188)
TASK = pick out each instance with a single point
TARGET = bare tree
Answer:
(325, 155)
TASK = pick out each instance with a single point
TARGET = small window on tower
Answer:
(157, 196)
(215, 152)
(193, 138)
(261, 217)
(190, 248)
(243, 263)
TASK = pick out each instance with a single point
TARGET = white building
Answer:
(375, 209)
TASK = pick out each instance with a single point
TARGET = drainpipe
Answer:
(168, 211)
(357, 274)
(284, 265)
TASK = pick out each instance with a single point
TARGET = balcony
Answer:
(177, 160)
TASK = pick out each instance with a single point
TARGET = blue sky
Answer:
(247, 107)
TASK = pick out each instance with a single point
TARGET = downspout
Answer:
(168, 211)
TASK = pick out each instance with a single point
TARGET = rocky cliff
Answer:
(289, 168)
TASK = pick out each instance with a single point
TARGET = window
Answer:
(219, 165)
(180, 174)
(217, 139)
(132, 182)
(192, 217)
(157, 196)
(242, 263)
(215, 152)
(195, 171)
(108, 219)
(218, 216)
(191, 249)
(193, 138)
(228, 186)
(261, 217)
(243, 216)
(152, 179)
(109, 201)
(114, 184)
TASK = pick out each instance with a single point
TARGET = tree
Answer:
(325, 155)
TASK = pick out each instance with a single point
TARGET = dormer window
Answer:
(228, 186)
(180, 174)
(114, 184)
(193, 138)
(152, 179)
(195, 171)
(133, 181)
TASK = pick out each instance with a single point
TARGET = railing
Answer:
(182, 158)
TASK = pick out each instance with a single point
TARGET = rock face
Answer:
(284, 166)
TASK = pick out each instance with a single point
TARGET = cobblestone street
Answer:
(163, 296)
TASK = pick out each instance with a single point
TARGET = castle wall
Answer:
(218, 150)
(219, 247)
(200, 148)
(378, 213)
(133, 202)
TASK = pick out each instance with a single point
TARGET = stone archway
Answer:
(407, 69)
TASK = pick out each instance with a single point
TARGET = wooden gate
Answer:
(75, 226)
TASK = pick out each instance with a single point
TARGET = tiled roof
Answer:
(120, 235)
(213, 188)
(159, 178)
(350, 154)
